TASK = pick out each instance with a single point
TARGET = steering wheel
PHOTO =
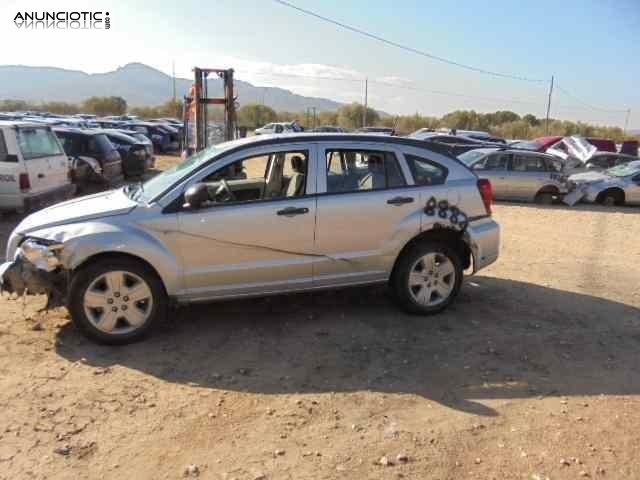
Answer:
(224, 193)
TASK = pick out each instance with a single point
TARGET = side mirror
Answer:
(196, 195)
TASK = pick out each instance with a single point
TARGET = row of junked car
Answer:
(41, 162)
(548, 169)
(544, 170)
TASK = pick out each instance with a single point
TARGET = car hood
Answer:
(592, 178)
(113, 202)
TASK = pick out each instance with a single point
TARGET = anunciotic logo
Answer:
(62, 20)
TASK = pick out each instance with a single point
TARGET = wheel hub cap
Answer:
(118, 302)
(431, 279)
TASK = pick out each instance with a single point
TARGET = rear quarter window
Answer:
(425, 171)
(100, 144)
(38, 143)
(3, 148)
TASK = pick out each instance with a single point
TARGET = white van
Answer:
(34, 170)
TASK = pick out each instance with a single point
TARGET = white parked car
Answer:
(282, 127)
(34, 170)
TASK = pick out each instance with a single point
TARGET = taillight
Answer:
(486, 192)
(24, 182)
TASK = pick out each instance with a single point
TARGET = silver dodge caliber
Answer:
(260, 216)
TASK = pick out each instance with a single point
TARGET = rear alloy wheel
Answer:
(427, 278)
(116, 301)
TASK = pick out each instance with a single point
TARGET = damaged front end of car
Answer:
(36, 268)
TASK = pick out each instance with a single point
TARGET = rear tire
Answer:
(116, 301)
(544, 198)
(427, 278)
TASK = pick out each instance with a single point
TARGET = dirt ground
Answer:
(533, 373)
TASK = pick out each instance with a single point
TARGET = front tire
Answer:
(116, 300)
(427, 278)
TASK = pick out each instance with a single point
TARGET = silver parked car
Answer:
(259, 216)
(517, 174)
(619, 185)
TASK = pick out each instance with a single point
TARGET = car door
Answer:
(251, 245)
(632, 193)
(44, 158)
(527, 175)
(366, 207)
(493, 167)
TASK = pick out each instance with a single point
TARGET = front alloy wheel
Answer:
(116, 300)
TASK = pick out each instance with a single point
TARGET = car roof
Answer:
(616, 154)
(271, 139)
(78, 131)
(22, 123)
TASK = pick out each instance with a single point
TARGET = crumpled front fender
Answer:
(84, 240)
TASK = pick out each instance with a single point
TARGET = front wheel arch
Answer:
(118, 256)
(617, 193)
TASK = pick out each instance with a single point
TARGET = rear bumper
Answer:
(483, 238)
(49, 197)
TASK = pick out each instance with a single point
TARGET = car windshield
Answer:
(157, 185)
(624, 170)
(470, 157)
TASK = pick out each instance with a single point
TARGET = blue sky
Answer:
(590, 46)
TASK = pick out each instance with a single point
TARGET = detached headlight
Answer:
(43, 256)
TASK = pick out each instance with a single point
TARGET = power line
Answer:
(402, 87)
(405, 47)
(588, 105)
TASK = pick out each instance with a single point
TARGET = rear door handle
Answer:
(399, 200)
(41, 175)
(290, 211)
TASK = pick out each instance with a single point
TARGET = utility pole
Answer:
(173, 79)
(366, 99)
(314, 117)
(626, 121)
(546, 128)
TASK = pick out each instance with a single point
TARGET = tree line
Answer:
(502, 123)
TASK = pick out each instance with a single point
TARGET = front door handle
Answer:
(41, 175)
(399, 200)
(290, 211)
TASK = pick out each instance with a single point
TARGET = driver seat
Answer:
(297, 181)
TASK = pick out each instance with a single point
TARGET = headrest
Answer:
(297, 164)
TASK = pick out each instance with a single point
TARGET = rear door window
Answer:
(362, 170)
(37, 143)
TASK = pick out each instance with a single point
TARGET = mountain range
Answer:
(138, 84)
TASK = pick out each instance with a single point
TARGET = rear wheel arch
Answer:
(549, 189)
(446, 236)
(545, 194)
